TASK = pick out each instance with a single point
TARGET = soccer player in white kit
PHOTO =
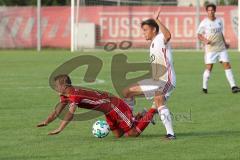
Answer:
(163, 80)
(210, 32)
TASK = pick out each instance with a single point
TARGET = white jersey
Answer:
(212, 30)
(161, 60)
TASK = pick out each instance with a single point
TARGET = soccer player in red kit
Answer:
(118, 114)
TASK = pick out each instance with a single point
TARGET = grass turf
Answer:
(207, 126)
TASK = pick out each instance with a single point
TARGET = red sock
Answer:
(145, 120)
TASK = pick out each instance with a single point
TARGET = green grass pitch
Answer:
(207, 126)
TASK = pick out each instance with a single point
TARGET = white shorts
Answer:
(212, 57)
(149, 87)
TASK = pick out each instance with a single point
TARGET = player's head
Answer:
(62, 82)
(150, 29)
(211, 9)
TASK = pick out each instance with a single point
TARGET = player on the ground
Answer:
(163, 80)
(118, 114)
(210, 32)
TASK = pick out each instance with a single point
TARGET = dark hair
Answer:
(211, 5)
(151, 23)
(63, 80)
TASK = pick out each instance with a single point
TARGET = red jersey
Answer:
(88, 99)
(118, 113)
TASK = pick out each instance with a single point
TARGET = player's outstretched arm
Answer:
(53, 115)
(162, 27)
(68, 117)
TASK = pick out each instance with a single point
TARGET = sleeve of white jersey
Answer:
(201, 28)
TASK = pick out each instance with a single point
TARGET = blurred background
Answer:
(80, 24)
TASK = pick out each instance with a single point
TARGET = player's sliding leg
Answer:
(139, 115)
(230, 77)
(130, 92)
(164, 115)
(206, 76)
(141, 124)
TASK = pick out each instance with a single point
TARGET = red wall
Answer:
(18, 25)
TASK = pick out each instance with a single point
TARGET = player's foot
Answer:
(204, 90)
(170, 137)
(235, 89)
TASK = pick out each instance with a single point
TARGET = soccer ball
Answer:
(100, 129)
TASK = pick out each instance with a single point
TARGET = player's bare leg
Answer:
(206, 76)
(130, 92)
(131, 133)
(141, 124)
(230, 77)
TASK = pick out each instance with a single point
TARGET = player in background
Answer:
(118, 114)
(210, 32)
(163, 80)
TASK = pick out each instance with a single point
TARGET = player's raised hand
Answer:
(42, 124)
(157, 13)
(56, 131)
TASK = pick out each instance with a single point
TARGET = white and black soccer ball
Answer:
(100, 129)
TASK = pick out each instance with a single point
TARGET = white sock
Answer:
(206, 76)
(165, 116)
(130, 102)
(230, 77)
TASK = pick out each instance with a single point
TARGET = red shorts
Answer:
(121, 116)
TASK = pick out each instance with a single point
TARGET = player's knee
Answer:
(125, 92)
(159, 100)
(117, 136)
(208, 70)
(128, 93)
(209, 67)
(227, 66)
(133, 133)
(118, 133)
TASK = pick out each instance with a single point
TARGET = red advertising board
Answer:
(18, 25)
